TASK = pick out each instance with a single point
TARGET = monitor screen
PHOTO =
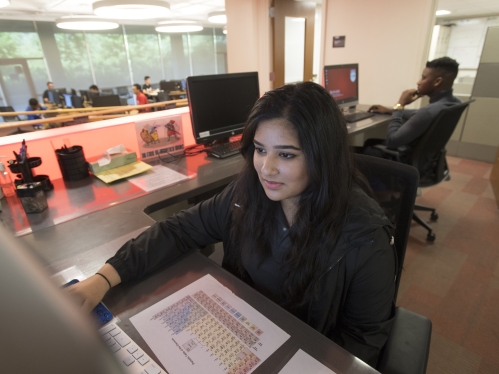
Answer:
(107, 100)
(54, 97)
(342, 83)
(67, 100)
(220, 104)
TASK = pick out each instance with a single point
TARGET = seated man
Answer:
(34, 105)
(50, 86)
(146, 87)
(140, 97)
(436, 82)
(94, 88)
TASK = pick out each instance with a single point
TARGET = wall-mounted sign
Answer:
(339, 41)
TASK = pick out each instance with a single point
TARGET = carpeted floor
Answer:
(455, 280)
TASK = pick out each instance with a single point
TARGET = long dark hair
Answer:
(324, 203)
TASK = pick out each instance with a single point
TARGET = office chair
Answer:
(394, 186)
(162, 96)
(6, 109)
(428, 156)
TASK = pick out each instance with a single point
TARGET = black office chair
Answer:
(6, 109)
(394, 185)
(428, 156)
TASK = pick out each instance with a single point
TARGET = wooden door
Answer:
(292, 8)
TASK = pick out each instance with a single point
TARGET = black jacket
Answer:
(354, 303)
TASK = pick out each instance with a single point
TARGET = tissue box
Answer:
(116, 161)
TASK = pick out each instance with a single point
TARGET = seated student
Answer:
(34, 105)
(297, 225)
(50, 86)
(93, 88)
(146, 87)
(141, 98)
(436, 82)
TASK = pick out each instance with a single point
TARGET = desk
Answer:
(56, 242)
(130, 298)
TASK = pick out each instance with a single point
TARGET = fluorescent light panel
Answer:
(131, 9)
(442, 12)
(4, 3)
(85, 23)
(217, 17)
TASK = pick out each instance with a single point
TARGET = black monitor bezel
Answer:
(348, 101)
(227, 131)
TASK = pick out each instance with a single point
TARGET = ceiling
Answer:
(49, 10)
(468, 8)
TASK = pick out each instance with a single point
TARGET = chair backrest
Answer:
(394, 185)
(428, 155)
(7, 109)
(163, 96)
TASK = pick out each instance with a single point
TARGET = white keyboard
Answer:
(133, 360)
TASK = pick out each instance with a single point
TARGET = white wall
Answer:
(249, 39)
(389, 39)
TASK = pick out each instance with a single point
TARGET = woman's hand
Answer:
(89, 292)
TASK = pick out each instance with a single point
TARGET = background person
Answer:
(140, 97)
(34, 105)
(436, 82)
(297, 225)
(146, 87)
(50, 86)
(93, 88)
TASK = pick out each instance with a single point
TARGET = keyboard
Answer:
(224, 150)
(131, 358)
(357, 116)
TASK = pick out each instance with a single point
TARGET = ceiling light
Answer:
(217, 17)
(131, 9)
(442, 12)
(85, 23)
(4, 3)
(225, 30)
(178, 26)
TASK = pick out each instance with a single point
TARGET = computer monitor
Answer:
(61, 90)
(85, 95)
(54, 97)
(107, 100)
(155, 86)
(67, 100)
(76, 101)
(342, 83)
(42, 330)
(168, 86)
(122, 91)
(107, 91)
(220, 104)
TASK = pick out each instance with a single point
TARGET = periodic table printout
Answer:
(205, 328)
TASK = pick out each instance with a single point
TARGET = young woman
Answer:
(297, 225)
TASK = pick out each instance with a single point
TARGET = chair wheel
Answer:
(431, 237)
(434, 216)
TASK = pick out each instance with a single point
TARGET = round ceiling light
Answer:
(178, 26)
(4, 3)
(442, 12)
(87, 23)
(131, 9)
(217, 17)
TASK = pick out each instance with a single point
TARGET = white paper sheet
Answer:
(158, 177)
(303, 363)
(205, 328)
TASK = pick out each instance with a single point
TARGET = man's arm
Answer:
(400, 134)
